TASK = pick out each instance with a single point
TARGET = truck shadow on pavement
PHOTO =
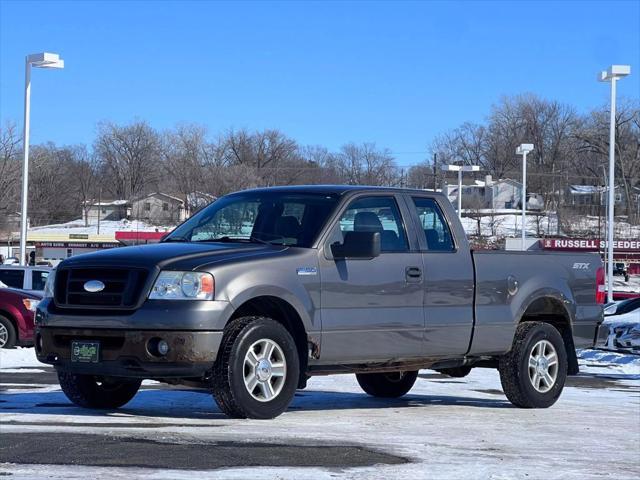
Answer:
(198, 404)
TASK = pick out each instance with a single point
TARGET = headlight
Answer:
(30, 304)
(183, 286)
(49, 284)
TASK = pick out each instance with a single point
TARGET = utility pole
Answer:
(435, 172)
(99, 208)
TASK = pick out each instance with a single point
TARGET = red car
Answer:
(17, 309)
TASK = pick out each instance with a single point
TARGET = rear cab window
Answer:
(433, 225)
(38, 279)
(11, 277)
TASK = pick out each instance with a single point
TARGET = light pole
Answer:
(613, 74)
(460, 169)
(523, 149)
(38, 60)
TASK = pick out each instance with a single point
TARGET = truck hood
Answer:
(171, 256)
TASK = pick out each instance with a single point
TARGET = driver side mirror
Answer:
(357, 245)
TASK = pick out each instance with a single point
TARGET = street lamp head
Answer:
(524, 148)
(45, 60)
(614, 71)
(459, 168)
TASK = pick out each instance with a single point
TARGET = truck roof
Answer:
(336, 189)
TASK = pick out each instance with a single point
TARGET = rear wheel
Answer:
(257, 370)
(533, 373)
(91, 391)
(387, 385)
(8, 335)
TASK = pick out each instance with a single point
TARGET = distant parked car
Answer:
(11, 261)
(622, 307)
(17, 309)
(619, 268)
(31, 279)
(622, 319)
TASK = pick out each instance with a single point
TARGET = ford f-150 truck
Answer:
(264, 288)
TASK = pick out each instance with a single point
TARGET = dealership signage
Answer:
(75, 245)
(593, 245)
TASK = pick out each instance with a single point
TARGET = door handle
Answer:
(413, 272)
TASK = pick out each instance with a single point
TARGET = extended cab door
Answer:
(448, 276)
(372, 309)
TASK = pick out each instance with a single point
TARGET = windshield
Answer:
(277, 218)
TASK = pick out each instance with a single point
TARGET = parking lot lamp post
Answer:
(38, 60)
(460, 169)
(612, 75)
(523, 149)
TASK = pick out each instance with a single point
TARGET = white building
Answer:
(495, 195)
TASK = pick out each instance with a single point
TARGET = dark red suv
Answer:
(17, 309)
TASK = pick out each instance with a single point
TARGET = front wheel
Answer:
(91, 391)
(533, 373)
(257, 370)
(387, 385)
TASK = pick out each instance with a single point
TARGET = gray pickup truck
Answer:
(265, 288)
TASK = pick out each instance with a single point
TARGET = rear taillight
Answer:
(600, 286)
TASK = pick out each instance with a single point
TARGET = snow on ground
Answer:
(449, 428)
(605, 362)
(507, 223)
(633, 285)
(106, 227)
(18, 357)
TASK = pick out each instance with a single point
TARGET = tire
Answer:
(455, 372)
(387, 385)
(89, 391)
(8, 336)
(244, 380)
(532, 341)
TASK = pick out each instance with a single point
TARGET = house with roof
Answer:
(197, 201)
(594, 195)
(159, 209)
(104, 210)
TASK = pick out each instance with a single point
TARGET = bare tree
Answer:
(9, 167)
(185, 152)
(128, 158)
(83, 168)
(366, 165)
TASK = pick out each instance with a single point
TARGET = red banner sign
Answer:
(592, 245)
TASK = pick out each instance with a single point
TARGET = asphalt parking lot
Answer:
(445, 428)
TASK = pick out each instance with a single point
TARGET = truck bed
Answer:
(510, 285)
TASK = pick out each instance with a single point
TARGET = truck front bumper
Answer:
(128, 353)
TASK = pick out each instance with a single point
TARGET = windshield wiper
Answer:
(175, 239)
(250, 239)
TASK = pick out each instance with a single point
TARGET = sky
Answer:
(325, 73)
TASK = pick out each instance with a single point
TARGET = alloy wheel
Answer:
(543, 366)
(265, 370)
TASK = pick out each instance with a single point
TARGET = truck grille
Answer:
(122, 287)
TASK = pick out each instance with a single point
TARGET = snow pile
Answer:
(599, 361)
(18, 357)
